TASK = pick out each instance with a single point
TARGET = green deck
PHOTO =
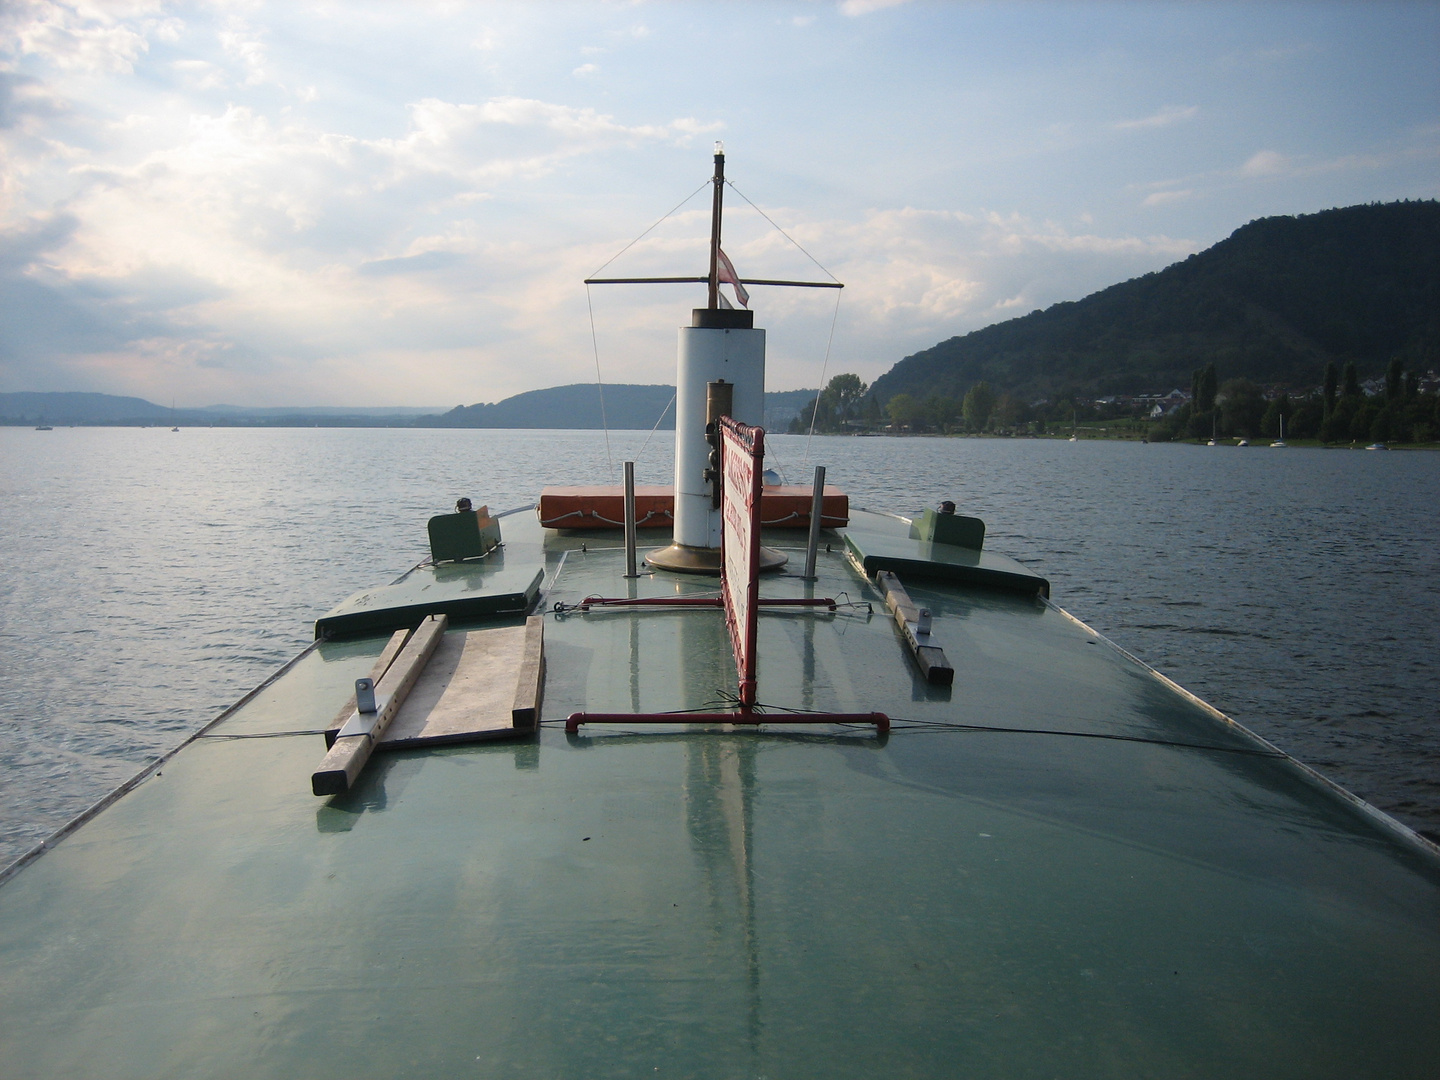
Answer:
(787, 902)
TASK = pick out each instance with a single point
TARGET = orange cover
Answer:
(603, 507)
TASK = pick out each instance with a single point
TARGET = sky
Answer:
(396, 204)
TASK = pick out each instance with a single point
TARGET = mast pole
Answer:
(719, 180)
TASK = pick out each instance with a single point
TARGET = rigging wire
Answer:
(656, 428)
(782, 232)
(599, 382)
(652, 228)
(823, 369)
(594, 339)
(833, 319)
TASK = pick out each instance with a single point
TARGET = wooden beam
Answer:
(377, 672)
(356, 740)
(525, 713)
(929, 657)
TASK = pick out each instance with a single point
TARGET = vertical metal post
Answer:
(715, 210)
(817, 503)
(630, 520)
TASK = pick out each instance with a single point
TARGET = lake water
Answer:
(150, 578)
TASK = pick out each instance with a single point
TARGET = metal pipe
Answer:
(817, 504)
(630, 520)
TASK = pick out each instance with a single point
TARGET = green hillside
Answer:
(1272, 303)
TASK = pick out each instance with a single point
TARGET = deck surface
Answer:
(1117, 883)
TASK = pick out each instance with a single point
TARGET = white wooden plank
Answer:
(469, 690)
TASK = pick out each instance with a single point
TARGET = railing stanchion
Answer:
(817, 502)
(630, 520)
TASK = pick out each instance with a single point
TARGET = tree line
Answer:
(848, 404)
(1340, 411)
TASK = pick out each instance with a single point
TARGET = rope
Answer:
(586, 515)
(595, 515)
(599, 383)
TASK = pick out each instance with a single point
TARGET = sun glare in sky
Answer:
(397, 203)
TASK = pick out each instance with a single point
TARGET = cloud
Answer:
(1160, 198)
(410, 264)
(1170, 114)
(1265, 163)
(242, 43)
(23, 243)
(198, 74)
(532, 137)
(585, 70)
(24, 99)
(247, 257)
(856, 8)
(75, 37)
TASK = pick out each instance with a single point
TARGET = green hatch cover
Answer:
(463, 536)
(910, 557)
(966, 532)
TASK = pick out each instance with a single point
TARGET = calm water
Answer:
(151, 578)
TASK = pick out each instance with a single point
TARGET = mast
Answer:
(720, 356)
(715, 211)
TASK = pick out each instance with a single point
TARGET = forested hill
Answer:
(627, 406)
(1272, 303)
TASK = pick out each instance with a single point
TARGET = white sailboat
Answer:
(1280, 443)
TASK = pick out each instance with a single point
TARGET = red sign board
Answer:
(742, 451)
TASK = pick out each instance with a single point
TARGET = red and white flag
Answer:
(725, 271)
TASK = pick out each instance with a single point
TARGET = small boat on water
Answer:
(557, 803)
(1280, 443)
(1377, 446)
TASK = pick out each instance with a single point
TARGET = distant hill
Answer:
(1272, 302)
(77, 408)
(86, 408)
(629, 406)
(576, 406)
